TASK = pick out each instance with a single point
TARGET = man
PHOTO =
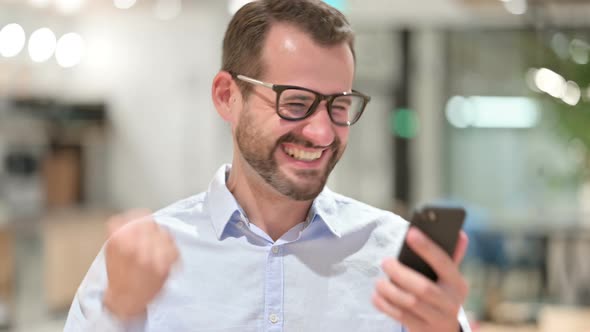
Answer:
(267, 247)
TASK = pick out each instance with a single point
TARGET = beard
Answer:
(259, 154)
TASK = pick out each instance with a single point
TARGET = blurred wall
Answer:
(166, 140)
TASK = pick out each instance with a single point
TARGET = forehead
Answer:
(290, 56)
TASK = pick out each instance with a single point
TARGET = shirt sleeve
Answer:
(88, 313)
(463, 321)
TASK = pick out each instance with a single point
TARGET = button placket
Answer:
(273, 318)
(274, 289)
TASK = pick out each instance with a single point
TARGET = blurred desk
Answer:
(562, 318)
(71, 241)
(551, 319)
(506, 328)
(6, 274)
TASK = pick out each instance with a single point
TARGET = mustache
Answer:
(292, 138)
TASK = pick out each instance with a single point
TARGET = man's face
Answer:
(295, 158)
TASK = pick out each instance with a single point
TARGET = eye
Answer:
(295, 105)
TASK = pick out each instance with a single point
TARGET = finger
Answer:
(407, 301)
(415, 283)
(161, 259)
(404, 317)
(461, 248)
(136, 213)
(167, 241)
(116, 222)
(145, 251)
(435, 256)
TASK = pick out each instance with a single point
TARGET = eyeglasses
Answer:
(295, 103)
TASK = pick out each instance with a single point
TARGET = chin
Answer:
(303, 185)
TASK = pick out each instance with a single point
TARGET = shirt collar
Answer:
(223, 206)
(220, 202)
(325, 209)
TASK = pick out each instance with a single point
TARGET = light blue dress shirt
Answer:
(231, 276)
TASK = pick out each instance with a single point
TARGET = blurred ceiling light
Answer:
(42, 45)
(530, 79)
(234, 5)
(492, 112)
(572, 93)
(458, 112)
(68, 7)
(40, 3)
(12, 40)
(167, 9)
(516, 7)
(70, 49)
(124, 4)
(579, 51)
(560, 45)
(550, 82)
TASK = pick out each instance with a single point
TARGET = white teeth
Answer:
(303, 155)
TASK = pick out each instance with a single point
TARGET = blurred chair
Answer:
(569, 266)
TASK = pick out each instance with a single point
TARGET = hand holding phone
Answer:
(440, 224)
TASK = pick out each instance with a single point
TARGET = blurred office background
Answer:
(105, 106)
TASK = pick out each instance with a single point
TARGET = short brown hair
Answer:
(247, 31)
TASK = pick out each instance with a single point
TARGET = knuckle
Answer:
(380, 303)
(117, 246)
(376, 301)
(151, 225)
(425, 289)
(382, 285)
(412, 302)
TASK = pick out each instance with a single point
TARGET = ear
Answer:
(226, 96)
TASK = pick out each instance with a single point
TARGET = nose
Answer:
(319, 128)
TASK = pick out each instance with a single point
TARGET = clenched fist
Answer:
(139, 256)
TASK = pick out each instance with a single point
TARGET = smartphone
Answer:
(442, 225)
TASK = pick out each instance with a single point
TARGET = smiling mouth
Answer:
(302, 154)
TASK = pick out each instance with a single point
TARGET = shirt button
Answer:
(273, 318)
(275, 250)
(240, 224)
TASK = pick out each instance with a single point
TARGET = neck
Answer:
(265, 207)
